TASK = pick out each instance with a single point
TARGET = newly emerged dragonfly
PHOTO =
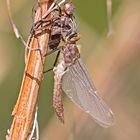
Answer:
(72, 77)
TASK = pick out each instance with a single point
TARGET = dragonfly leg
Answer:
(52, 51)
(55, 62)
(44, 18)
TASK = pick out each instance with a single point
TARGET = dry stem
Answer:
(25, 106)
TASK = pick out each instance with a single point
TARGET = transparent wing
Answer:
(79, 88)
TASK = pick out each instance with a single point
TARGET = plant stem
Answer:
(25, 107)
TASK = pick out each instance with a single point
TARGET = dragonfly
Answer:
(72, 77)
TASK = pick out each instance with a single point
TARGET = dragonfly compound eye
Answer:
(69, 8)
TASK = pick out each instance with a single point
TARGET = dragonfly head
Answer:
(69, 8)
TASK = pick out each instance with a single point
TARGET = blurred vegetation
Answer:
(112, 61)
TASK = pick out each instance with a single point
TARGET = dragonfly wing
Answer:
(79, 88)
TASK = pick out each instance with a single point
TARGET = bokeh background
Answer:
(113, 63)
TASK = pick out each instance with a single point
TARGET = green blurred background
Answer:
(113, 63)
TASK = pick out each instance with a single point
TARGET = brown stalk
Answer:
(25, 107)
